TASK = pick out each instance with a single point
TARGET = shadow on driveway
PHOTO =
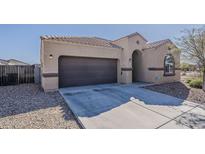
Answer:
(97, 100)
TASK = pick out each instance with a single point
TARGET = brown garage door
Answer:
(78, 71)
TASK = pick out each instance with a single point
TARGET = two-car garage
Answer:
(79, 61)
(80, 71)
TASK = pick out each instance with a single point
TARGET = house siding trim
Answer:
(48, 75)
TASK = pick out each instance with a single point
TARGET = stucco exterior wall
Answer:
(129, 45)
(125, 75)
(150, 58)
(57, 49)
(154, 58)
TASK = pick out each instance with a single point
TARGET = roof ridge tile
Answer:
(95, 41)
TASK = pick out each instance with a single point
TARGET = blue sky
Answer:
(22, 42)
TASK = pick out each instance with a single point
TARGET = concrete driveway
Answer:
(129, 106)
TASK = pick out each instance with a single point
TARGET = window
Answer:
(169, 65)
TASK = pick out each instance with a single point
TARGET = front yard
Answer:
(27, 106)
(195, 118)
(180, 90)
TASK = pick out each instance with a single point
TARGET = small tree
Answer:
(192, 46)
(192, 67)
(184, 67)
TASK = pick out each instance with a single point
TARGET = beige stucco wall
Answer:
(153, 57)
(57, 49)
(129, 45)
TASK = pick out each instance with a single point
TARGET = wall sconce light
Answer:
(130, 60)
(50, 56)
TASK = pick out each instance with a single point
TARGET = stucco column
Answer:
(127, 69)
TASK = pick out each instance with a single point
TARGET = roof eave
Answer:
(130, 36)
(166, 41)
(74, 43)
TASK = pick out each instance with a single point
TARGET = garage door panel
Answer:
(78, 71)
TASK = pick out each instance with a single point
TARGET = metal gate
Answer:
(12, 74)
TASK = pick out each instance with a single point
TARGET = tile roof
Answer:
(94, 41)
(3, 62)
(131, 35)
(157, 43)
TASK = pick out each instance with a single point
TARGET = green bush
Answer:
(196, 83)
(188, 80)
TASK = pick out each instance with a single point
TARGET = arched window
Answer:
(169, 65)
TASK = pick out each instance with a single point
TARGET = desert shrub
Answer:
(188, 80)
(183, 73)
(196, 83)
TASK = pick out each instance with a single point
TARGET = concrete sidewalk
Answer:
(128, 106)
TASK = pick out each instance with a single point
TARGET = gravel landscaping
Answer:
(27, 106)
(180, 90)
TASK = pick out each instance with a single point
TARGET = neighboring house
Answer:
(78, 61)
(3, 62)
(16, 62)
(12, 62)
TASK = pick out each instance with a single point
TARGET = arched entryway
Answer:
(136, 65)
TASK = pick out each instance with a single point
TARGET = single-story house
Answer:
(79, 61)
(3, 62)
(12, 62)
